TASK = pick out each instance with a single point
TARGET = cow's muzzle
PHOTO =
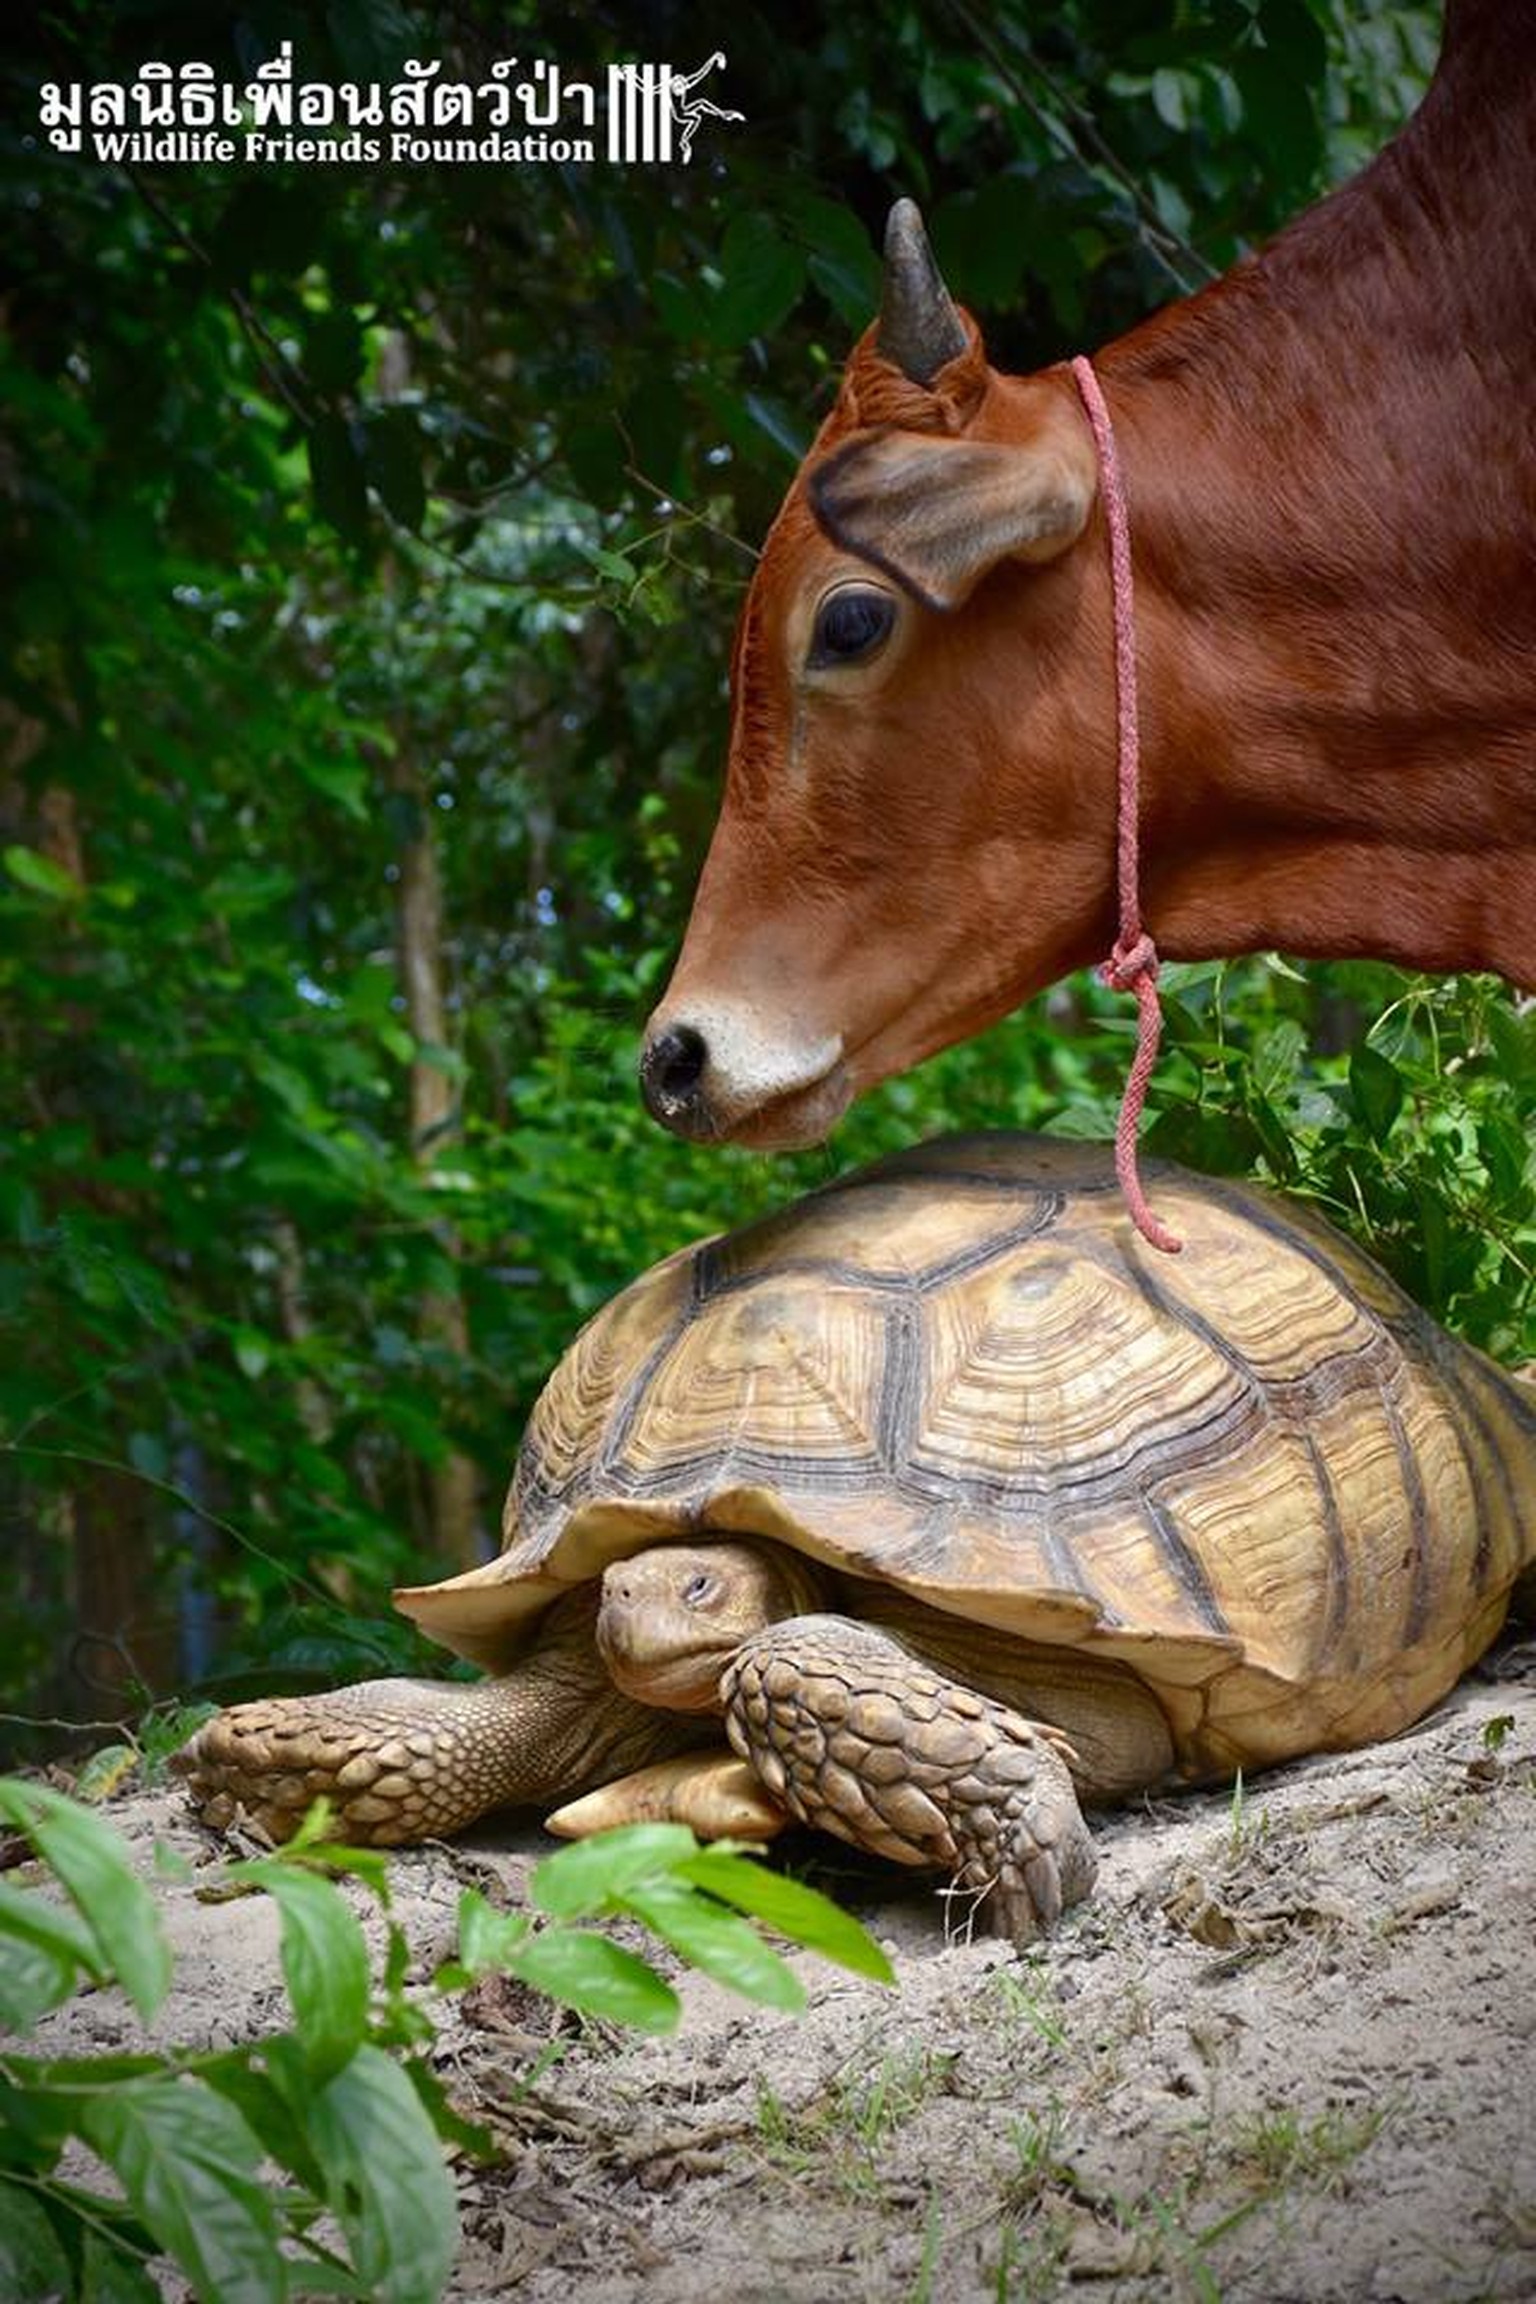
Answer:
(723, 1077)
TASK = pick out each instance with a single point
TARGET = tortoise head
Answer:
(671, 1618)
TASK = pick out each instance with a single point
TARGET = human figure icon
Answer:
(687, 114)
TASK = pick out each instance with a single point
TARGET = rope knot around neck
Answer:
(1132, 964)
(1128, 963)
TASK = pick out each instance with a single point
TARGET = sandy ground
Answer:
(1286, 2053)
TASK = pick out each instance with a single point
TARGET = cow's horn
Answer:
(919, 327)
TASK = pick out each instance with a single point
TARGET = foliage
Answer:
(369, 525)
(1401, 1104)
(344, 2103)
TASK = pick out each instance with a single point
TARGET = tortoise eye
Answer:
(698, 1587)
(852, 624)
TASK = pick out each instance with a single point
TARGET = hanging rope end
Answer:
(1132, 967)
(1153, 1231)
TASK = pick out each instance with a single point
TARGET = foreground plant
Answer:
(228, 2160)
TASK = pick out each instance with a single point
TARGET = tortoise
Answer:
(953, 1507)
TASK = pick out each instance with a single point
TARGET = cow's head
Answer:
(917, 829)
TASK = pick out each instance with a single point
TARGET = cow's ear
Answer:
(938, 514)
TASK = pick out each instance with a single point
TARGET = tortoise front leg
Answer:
(859, 1738)
(405, 1760)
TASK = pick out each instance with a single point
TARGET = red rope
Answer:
(1132, 965)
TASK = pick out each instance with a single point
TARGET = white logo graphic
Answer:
(647, 101)
(184, 114)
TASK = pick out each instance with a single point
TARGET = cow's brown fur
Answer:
(1331, 463)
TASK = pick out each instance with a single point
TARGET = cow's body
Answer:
(1331, 464)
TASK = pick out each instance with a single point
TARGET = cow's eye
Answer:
(851, 624)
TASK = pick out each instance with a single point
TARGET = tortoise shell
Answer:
(1256, 1471)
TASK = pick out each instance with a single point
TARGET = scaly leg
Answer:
(858, 1737)
(404, 1760)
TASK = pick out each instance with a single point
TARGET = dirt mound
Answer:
(1286, 2053)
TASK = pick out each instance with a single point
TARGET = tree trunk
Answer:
(104, 1526)
(453, 1482)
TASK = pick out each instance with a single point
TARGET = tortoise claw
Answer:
(717, 1795)
(1030, 1865)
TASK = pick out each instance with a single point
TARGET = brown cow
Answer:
(1330, 458)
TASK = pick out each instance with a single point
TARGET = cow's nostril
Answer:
(672, 1073)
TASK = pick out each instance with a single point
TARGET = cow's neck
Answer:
(1332, 464)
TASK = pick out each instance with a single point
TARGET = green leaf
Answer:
(92, 1863)
(111, 2275)
(267, 2100)
(33, 1980)
(1182, 1028)
(488, 1939)
(67, 2075)
(344, 780)
(43, 1952)
(312, 1841)
(191, 2169)
(30, 869)
(613, 565)
(1277, 1057)
(333, 350)
(338, 477)
(594, 450)
(1279, 111)
(449, 2123)
(33, 2263)
(325, 1961)
(253, 1353)
(982, 240)
(1434, 1246)
(108, 1768)
(654, 423)
(764, 275)
(755, 420)
(1376, 1087)
(842, 264)
(590, 1874)
(723, 1945)
(35, 2122)
(1507, 1152)
(317, 2277)
(777, 423)
(1270, 1129)
(1221, 1143)
(1513, 1035)
(392, 461)
(802, 1914)
(385, 2180)
(590, 1972)
(678, 307)
(1172, 93)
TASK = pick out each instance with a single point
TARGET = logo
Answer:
(649, 114)
(647, 101)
